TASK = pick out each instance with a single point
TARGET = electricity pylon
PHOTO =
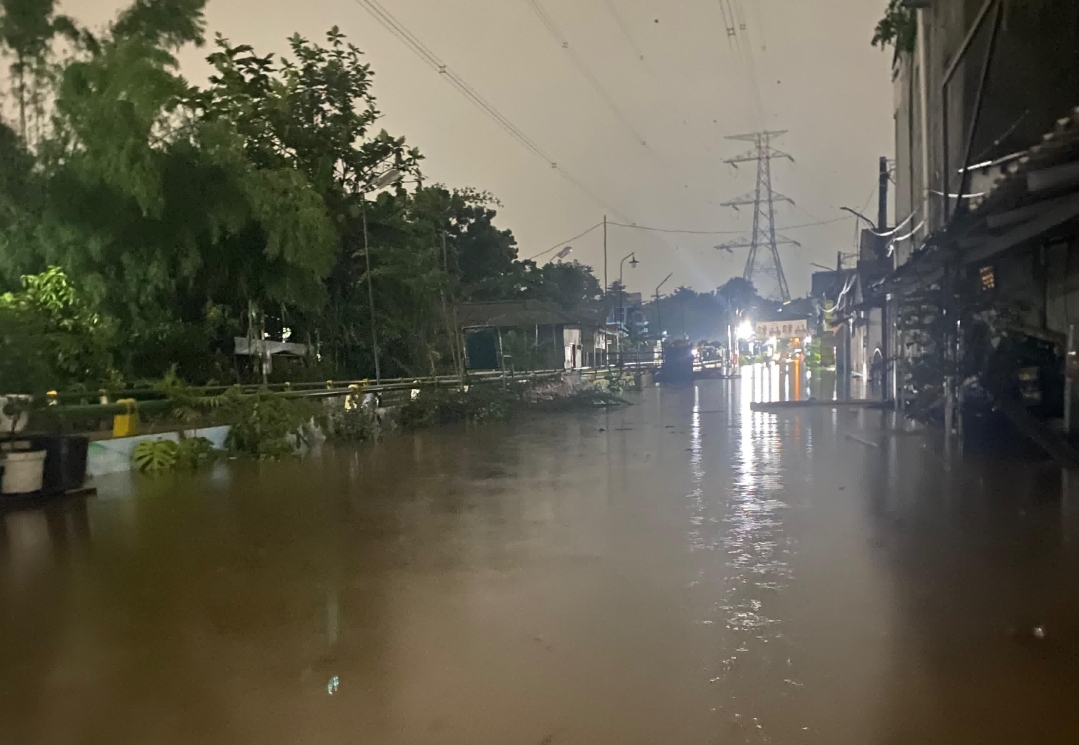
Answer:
(763, 244)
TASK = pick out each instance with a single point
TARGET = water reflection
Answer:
(684, 570)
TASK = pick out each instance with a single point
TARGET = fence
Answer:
(82, 415)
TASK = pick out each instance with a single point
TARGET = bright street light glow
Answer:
(745, 330)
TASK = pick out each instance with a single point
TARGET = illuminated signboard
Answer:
(790, 329)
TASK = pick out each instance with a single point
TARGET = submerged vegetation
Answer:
(494, 403)
(268, 425)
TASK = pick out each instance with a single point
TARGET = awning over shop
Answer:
(1035, 196)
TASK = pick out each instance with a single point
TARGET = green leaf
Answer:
(155, 456)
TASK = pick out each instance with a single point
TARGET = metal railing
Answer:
(155, 400)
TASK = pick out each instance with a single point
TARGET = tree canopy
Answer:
(182, 215)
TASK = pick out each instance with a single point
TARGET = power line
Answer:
(557, 35)
(728, 24)
(563, 243)
(720, 232)
(624, 29)
(401, 32)
(734, 23)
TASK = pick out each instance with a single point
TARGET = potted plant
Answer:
(23, 465)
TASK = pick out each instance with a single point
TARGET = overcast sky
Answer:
(588, 107)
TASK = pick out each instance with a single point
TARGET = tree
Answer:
(27, 29)
(739, 293)
(48, 327)
(188, 215)
(898, 28)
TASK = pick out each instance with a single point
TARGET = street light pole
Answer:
(659, 320)
(606, 287)
(621, 297)
(859, 215)
(385, 179)
(370, 289)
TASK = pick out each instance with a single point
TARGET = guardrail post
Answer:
(126, 425)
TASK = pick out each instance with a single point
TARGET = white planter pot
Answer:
(23, 471)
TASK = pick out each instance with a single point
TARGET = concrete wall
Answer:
(114, 456)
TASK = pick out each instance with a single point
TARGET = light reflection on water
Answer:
(683, 571)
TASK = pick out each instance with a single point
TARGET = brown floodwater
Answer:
(679, 571)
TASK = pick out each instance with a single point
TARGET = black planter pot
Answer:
(65, 461)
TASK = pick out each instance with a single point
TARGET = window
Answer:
(989, 278)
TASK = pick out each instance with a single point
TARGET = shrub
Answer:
(155, 456)
(160, 456)
(355, 424)
(264, 425)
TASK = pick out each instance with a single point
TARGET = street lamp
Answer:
(659, 322)
(381, 182)
(621, 296)
(858, 214)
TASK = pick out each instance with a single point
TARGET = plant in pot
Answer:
(51, 337)
(23, 466)
(23, 368)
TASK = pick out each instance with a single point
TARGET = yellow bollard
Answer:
(126, 425)
(353, 399)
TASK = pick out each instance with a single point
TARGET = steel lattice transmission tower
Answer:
(763, 244)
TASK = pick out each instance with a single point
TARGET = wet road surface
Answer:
(680, 571)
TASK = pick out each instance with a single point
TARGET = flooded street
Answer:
(680, 571)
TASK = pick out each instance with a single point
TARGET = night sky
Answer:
(801, 65)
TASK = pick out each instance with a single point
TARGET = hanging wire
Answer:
(563, 243)
(402, 33)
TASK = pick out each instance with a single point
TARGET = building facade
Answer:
(986, 185)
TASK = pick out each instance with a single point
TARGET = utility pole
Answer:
(606, 287)
(606, 294)
(882, 198)
(451, 326)
(890, 342)
(886, 329)
(763, 199)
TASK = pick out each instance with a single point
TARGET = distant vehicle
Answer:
(678, 361)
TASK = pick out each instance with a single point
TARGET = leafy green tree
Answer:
(898, 28)
(739, 293)
(189, 215)
(571, 285)
(27, 29)
(48, 327)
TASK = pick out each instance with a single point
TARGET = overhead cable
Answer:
(617, 16)
(398, 30)
(557, 35)
(557, 246)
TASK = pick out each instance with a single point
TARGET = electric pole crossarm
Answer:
(753, 155)
(747, 157)
(757, 136)
(736, 203)
(749, 244)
